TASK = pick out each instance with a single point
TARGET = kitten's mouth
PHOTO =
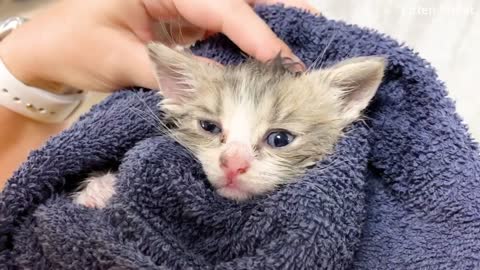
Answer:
(233, 192)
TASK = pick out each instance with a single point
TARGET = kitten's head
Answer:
(256, 126)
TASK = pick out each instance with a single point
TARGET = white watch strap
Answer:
(33, 102)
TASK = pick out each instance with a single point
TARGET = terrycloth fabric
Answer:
(401, 191)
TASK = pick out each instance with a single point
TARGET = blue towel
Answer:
(402, 190)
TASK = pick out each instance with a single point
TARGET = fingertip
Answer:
(140, 71)
(267, 52)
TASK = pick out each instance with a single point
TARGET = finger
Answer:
(234, 18)
(252, 34)
(140, 22)
(138, 67)
(171, 27)
(163, 10)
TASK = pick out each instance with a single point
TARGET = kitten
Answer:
(257, 126)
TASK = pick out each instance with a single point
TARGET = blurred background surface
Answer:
(445, 32)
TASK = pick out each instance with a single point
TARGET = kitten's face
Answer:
(254, 127)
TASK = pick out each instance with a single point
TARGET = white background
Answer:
(445, 32)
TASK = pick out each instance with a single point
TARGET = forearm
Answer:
(18, 136)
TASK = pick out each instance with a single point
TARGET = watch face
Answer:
(9, 24)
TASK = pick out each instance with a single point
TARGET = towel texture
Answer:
(402, 190)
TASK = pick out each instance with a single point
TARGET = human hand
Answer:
(100, 45)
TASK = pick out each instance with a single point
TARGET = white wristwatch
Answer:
(34, 103)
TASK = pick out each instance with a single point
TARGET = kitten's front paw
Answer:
(96, 192)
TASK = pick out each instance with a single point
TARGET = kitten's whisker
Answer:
(181, 39)
(149, 109)
(157, 120)
(329, 121)
(322, 55)
(322, 62)
(166, 34)
(170, 30)
(139, 114)
(147, 118)
(333, 163)
(164, 130)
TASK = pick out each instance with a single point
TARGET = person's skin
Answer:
(100, 45)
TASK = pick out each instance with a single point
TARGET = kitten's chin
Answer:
(234, 193)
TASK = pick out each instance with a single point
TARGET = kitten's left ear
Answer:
(357, 79)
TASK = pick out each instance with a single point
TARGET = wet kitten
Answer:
(256, 126)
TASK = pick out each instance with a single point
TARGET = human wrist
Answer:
(22, 70)
(22, 78)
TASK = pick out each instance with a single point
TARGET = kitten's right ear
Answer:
(178, 74)
(356, 80)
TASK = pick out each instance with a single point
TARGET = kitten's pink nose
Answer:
(235, 160)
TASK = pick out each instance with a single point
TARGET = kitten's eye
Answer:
(210, 126)
(279, 138)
